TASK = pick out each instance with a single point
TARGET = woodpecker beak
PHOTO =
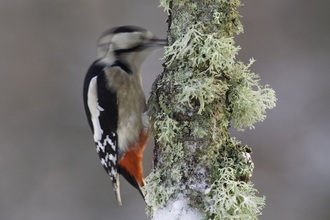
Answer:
(155, 42)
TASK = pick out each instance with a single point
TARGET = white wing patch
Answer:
(113, 172)
(103, 162)
(100, 146)
(107, 158)
(112, 158)
(110, 142)
(94, 108)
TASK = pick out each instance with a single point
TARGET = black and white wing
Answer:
(102, 114)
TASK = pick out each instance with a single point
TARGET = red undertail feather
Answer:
(132, 160)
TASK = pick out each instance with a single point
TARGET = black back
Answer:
(107, 146)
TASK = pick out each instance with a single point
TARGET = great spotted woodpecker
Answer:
(115, 103)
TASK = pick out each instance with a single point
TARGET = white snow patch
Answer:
(177, 210)
(191, 146)
(199, 183)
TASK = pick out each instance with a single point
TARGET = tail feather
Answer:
(116, 188)
(130, 178)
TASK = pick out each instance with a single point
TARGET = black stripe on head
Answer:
(128, 50)
(123, 51)
(123, 29)
(128, 29)
(123, 66)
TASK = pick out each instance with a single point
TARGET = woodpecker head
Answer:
(129, 45)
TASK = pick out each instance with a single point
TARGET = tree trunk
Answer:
(199, 171)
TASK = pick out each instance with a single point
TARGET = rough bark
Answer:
(199, 171)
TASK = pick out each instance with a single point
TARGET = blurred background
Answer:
(49, 169)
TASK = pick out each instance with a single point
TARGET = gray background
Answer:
(49, 169)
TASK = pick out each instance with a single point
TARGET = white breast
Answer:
(131, 105)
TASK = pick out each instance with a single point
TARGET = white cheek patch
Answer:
(94, 108)
(126, 40)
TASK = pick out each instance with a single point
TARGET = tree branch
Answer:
(199, 171)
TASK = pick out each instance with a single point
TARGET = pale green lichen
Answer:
(229, 199)
(176, 174)
(205, 90)
(172, 154)
(198, 130)
(165, 128)
(166, 5)
(160, 192)
(248, 100)
(202, 51)
(202, 91)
